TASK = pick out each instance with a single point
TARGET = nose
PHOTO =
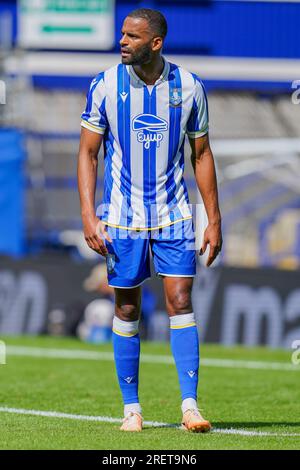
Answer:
(123, 40)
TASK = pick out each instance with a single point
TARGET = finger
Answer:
(106, 235)
(99, 245)
(94, 247)
(101, 231)
(210, 260)
(212, 255)
(102, 247)
(90, 244)
(100, 252)
(103, 236)
(203, 247)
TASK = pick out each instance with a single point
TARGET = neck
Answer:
(149, 73)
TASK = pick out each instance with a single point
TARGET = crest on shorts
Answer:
(110, 263)
(175, 97)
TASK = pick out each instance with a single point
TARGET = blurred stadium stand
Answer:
(247, 55)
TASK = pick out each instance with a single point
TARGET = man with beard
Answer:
(142, 108)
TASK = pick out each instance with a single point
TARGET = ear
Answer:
(157, 43)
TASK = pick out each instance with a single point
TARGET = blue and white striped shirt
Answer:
(144, 127)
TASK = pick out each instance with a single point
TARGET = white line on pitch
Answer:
(108, 419)
(147, 358)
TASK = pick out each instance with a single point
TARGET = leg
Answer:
(183, 335)
(127, 270)
(128, 303)
(185, 348)
(126, 343)
(178, 292)
(175, 260)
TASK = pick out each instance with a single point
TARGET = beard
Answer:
(140, 57)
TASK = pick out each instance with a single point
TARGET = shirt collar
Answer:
(163, 76)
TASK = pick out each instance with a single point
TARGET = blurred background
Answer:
(247, 54)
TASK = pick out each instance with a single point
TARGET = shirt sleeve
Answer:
(94, 116)
(197, 124)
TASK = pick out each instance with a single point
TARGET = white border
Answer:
(175, 275)
(130, 287)
(208, 68)
(88, 355)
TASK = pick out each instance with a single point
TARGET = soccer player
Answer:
(141, 109)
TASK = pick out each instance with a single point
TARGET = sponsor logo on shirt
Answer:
(149, 129)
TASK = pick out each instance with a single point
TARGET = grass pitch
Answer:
(251, 405)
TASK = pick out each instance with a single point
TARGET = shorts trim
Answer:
(130, 287)
(141, 229)
(175, 275)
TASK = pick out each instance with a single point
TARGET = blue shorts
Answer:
(172, 249)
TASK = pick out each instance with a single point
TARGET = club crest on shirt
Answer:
(175, 97)
(149, 129)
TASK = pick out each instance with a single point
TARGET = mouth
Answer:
(124, 53)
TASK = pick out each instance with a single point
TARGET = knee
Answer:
(127, 312)
(180, 302)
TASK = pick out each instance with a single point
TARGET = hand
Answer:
(95, 234)
(213, 237)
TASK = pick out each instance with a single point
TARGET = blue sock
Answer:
(126, 344)
(185, 349)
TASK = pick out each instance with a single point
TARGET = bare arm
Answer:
(205, 174)
(93, 228)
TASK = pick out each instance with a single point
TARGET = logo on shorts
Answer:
(110, 263)
(149, 129)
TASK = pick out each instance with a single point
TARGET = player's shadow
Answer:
(230, 425)
(253, 424)
(161, 426)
